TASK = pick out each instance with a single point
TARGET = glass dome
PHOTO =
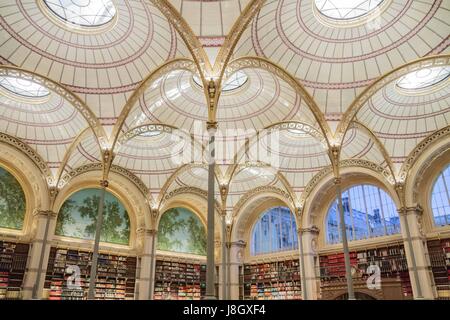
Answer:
(424, 78)
(85, 13)
(348, 9)
(23, 87)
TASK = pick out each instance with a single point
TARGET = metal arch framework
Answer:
(392, 75)
(382, 149)
(177, 173)
(176, 64)
(66, 94)
(265, 64)
(426, 143)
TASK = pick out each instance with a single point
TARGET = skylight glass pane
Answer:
(440, 198)
(424, 78)
(235, 81)
(86, 13)
(23, 87)
(346, 9)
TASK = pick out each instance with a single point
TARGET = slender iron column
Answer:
(224, 258)
(93, 275)
(348, 268)
(210, 265)
(152, 264)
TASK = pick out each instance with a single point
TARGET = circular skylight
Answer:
(23, 87)
(85, 13)
(424, 78)
(298, 133)
(235, 81)
(346, 9)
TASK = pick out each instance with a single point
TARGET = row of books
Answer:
(390, 259)
(13, 261)
(179, 281)
(271, 281)
(68, 276)
(439, 252)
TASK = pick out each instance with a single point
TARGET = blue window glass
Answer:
(368, 212)
(275, 231)
(440, 198)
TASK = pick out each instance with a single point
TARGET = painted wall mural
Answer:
(12, 201)
(180, 230)
(77, 217)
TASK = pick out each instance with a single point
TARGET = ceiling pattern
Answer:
(162, 140)
(336, 62)
(102, 68)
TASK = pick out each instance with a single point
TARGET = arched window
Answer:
(369, 212)
(440, 198)
(275, 231)
(77, 217)
(12, 201)
(180, 230)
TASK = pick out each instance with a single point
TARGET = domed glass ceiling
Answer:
(23, 87)
(346, 9)
(424, 78)
(86, 13)
(235, 81)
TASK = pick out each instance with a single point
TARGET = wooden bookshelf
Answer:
(278, 280)
(13, 261)
(390, 259)
(116, 275)
(179, 281)
(439, 251)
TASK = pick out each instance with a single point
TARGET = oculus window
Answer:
(23, 87)
(348, 9)
(369, 212)
(85, 13)
(440, 198)
(424, 78)
(274, 231)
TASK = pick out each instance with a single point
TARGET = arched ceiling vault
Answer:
(301, 75)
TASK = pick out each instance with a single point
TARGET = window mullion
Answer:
(448, 195)
(367, 214)
(382, 213)
(350, 211)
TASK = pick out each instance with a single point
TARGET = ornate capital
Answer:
(211, 127)
(313, 230)
(417, 209)
(45, 213)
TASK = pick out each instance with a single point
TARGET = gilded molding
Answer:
(261, 190)
(30, 153)
(187, 190)
(419, 149)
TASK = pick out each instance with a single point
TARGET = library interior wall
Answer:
(418, 189)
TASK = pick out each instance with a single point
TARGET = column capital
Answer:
(104, 183)
(45, 213)
(312, 229)
(238, 244)
(145, 231)
(211, 127)
(404, 211)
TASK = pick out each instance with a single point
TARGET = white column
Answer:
(308, 237)
(416, 250)
(236, 255)
(147, 265)
(38, 255)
